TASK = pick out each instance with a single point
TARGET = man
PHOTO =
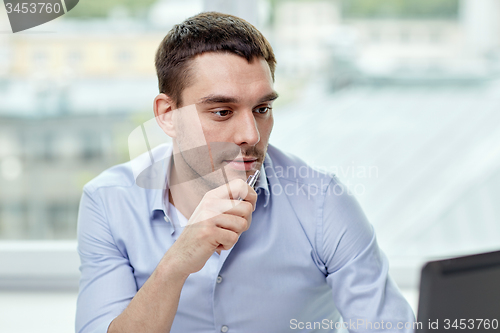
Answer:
(188, 255)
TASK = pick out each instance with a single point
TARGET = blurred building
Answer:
(44, 162)
(320, 37)
(68, 102)
(300, 35)
(407, 48)
(481, 23)
(461, 48)
(85, 50)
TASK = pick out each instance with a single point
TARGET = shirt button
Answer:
(165, 218)
(224, 329)
(219, 280)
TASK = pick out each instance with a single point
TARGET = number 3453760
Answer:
(471, 324)
(33, 8)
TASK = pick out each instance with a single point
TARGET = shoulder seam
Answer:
(107, 221)
(320, 224)
(92, 188)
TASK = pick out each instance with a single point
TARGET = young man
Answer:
(183, 257)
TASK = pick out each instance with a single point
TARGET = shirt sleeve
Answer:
(357, 270)
(107, 282)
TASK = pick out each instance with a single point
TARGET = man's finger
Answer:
(239, 208)
(234, 223)
(226, 238)
(236, 188)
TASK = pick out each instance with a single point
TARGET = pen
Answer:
(252, 179)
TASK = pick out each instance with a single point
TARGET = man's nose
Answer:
(246, 130)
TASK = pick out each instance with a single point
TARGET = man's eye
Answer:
(263, 110)
(222, 113)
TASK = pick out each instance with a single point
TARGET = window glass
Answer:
(398, 98)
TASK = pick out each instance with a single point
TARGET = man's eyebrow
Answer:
(214, 99)
(269, 97)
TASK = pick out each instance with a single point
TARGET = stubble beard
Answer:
(204, 171)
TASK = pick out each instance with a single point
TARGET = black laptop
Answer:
(460, 294)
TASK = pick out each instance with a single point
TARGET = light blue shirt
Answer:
(308, 263)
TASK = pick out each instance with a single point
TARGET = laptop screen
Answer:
(461, 294)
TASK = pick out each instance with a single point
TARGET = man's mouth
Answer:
(245, 163)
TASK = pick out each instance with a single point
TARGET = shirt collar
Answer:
(161, 192)
(262, 183)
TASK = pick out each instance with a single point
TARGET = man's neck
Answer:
(184, 195)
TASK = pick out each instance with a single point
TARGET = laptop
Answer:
(460, 294)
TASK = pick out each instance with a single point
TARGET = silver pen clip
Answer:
(252, 179)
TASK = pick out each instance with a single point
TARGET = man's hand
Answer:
(215, 225)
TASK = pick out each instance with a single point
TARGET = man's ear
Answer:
(164, 113)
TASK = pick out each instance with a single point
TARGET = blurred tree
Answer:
(102, 8)
(434, 9)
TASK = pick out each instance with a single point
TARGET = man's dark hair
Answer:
(206, 32)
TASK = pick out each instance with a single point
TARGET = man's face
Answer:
(228, 107)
